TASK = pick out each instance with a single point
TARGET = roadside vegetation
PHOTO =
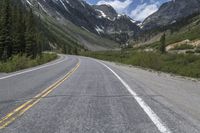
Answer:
(197, 50)
(156, 57)
(19, 34)
(21, 42)
(183, 47)
(181, 64)
(19, 62)
(185, 29)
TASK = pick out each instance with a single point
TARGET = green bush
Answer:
(181, 64)
(19, 62)
(183, 47)
(189, 52)
(197, 50)
(146, 59)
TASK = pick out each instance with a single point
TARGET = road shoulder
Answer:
(178, 95)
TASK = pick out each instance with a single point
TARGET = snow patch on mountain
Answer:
(103, 15)
(64, 5)
(99, 30)
(42, 8)
(29, 2)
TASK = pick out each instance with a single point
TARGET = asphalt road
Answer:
(82, 95)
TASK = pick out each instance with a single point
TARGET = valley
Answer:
(99, 66)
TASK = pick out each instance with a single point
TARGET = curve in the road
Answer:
(152, 115)
(10, 117)
(34, 69)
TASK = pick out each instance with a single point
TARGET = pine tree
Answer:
(18, 31)
(75, 51)
(1, 5)
(31, 47)
(15, 31)
(22, 28)
(64, 49)
(1, 29)
(163, 44)
(69, 49)
(39, 41)
(5, 33)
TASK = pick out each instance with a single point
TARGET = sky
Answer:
(136, 9)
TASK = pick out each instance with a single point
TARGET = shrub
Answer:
(19, 62)
(183, 47)
(197, 50)
(189, 52)
(147, 59)
(182, 64)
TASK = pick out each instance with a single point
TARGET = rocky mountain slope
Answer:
(62, 28)
(112, 22)
(171, 12)
(105, 11)
(101, 20)
(90, 25)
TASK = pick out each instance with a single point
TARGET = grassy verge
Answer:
(185, 65)
(22, 62)
(183, 47)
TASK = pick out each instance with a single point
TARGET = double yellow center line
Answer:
(13, 115)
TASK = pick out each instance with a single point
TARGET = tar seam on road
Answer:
(152, 115)
(38, 68)
(12, 116)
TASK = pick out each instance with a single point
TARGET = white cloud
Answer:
(118, 5)
(144, 10)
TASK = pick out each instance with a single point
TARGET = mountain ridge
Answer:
(171, 12)
(88, 17)
(64, 32)
(105, 22)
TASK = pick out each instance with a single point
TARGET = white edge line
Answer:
(152, 115)
(27, 71)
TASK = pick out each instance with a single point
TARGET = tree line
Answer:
(18, 32)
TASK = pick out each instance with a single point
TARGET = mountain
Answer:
(65, 29)
(105, 11)
(171, 12)
(113, 23)
(101, 20)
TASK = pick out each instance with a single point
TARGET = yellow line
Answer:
(10, 117)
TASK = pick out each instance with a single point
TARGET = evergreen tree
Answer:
(1, 25)
(39, 41)
(75, 51)
(69, 49)
(18, 31)
(64, 49)
(31, 47)
(163, 44)
(5, 33)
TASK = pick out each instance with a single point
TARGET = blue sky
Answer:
(136, 9)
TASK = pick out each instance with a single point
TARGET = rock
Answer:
(171, 12)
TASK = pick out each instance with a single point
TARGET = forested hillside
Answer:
(18, 31)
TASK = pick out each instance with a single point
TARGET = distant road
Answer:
(82, 95)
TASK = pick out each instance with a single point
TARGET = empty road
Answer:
(82, 95)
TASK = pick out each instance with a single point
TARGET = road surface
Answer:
(81, 95)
